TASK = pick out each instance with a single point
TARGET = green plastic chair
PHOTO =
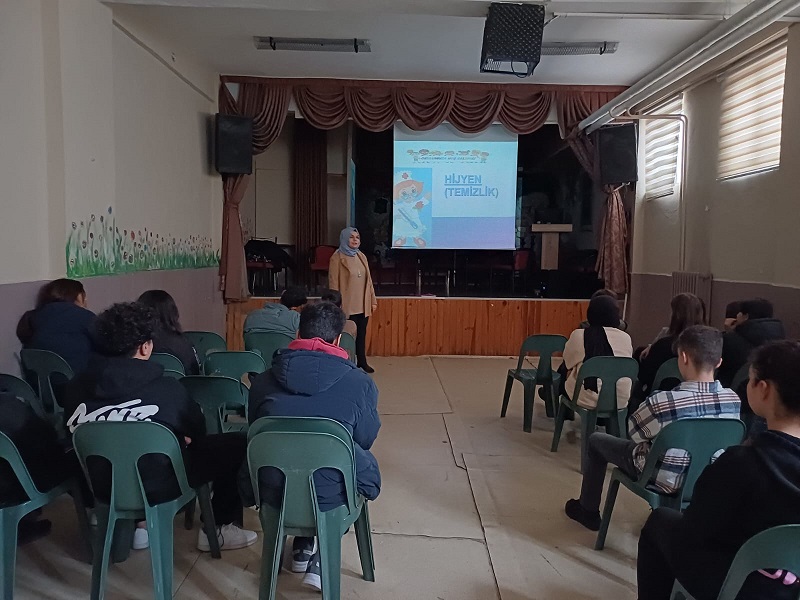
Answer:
(9, 384)
(348, 342)
(44, 365)
(11, 514)
(128, 501)
(667, 370)
(168, 361)
(173, 374)
(701, 437)
(608, 370)
(216, 396)
(273, 442)
(775, 548)
(234, 364)
(266, 342)
(205, 341)
(545, 346)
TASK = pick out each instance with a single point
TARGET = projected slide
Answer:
(454, 191)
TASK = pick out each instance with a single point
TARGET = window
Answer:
(752, 106)
(662, 146)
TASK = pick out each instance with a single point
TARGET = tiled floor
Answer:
(471, 509)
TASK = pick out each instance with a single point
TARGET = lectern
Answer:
(550, 238)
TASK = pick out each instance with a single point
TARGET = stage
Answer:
(418, 326)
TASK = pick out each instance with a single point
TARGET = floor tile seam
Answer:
(186, 577)
(441, 383)
(427, 536)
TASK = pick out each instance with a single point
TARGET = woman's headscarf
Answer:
(603, 312)
(344, 242)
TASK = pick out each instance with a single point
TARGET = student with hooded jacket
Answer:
(313, 378)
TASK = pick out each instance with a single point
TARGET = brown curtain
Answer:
(612, 260)
(310, 166)
(267, 105)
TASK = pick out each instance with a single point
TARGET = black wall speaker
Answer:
(616, 150)
(512, 34)
(234, 141)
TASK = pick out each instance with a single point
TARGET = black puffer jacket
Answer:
(739, 343)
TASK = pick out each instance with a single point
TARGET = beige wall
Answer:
(743, 229)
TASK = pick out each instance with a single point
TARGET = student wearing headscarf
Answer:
(348, 273)
(601, 338)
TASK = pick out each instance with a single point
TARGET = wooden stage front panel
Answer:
(469, 326)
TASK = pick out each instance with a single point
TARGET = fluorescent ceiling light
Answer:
(578, 48)
(312, 44)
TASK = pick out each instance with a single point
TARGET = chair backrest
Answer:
(215, 395)
(10, 454)
(608, 370)
(266, 342)
(321, 256)
(9, 384)
(234, 363)
(123, 443)
(168, 361)
(742, 375)
(667, 370)
(44, 364)
(203, 341)
(173, 374)
(775, 548)
(348, 342)
(273, 442)
(701, 438)
(545, 345)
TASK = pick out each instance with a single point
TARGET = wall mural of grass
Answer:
(97, 246)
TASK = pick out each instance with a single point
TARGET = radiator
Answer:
(698, 284)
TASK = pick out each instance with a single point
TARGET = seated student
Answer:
(699, 350)
(755, 326)
(47, 461)
(601, 338)
(611, 294)
(169, 336)
(748, 489)
(731, 312)
(336, 297)
(60, 323)
(127, 386)
(278, 317)
(687, 310)
(313, 378)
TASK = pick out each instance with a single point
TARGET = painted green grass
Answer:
(98, 247)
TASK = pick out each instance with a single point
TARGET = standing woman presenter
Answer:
(349, 274)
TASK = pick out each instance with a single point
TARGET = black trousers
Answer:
(361, 338)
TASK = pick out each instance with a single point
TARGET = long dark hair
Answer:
(687, 310)
(60, 290)
(165, 308)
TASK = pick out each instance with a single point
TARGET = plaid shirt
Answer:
(689, 399)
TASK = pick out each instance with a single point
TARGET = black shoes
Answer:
(366, 368)
(587, 518)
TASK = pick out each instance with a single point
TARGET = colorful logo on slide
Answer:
(426, 156)
(411, 214)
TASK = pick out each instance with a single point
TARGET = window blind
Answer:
(662, 149)
(752, 108)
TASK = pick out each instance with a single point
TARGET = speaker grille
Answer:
(512, 34)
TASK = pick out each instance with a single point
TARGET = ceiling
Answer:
(436, 40)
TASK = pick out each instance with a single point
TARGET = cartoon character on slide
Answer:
(408, 202)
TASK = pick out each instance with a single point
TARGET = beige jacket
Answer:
(340, 278)
(620, 343)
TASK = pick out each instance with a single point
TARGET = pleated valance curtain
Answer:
(377, 106)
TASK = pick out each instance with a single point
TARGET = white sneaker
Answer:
(313, 577)
(141, 539)
(231, 537)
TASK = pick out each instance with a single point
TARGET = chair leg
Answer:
(611, 498)
(507, 395)
(103, 550)
(188, 515)
(330, 553)
(9, 522)
(588, 425)
(559, 425)
(549, 394)
(364, 541)
(83, 522)
(159, 528)
(271, 551)
(529, 390)
(209, 523)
